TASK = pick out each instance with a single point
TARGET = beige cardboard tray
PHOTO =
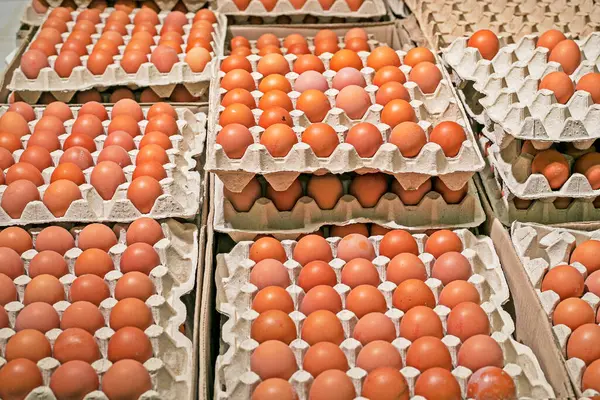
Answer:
(541, 248)
(306, 216)
(171, 367)
(410, 172)
(514, 170)
(370, 9)
(511, 99)
(181, 188)
(31, 17)
(81, 78)
(234, 380)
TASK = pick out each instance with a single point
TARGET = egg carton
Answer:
(370, 9)
(189, 140)
(164, 5)
(411, 173)
(233, 270)
(171, 367)
(31, 17)
(520, 364)
(540, 210)
(81, 78)
(306, 216)
(540, 249)
(508, 90)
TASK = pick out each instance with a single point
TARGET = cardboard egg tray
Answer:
(81, 78)
(234, 296)
(411, 173)
(164, 5)
(181, 189)
(171, 367)
(514, 171)
(306, 216)
(541, 248)
(507, 91)
(370, 9)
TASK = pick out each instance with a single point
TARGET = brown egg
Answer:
(23, 109)
(560, 84)
(345, 58)
(457, 292)
(314, 104)
(417, 55)
(164, 123)
(450, 136)
(590, 83)
(37, 156)
(32, 62)
(74, 379)
(274, 388)
(368, 188)
(89, 288)
(355, 246)
(409, 137)
(6, 158)
(591, 377)
(480, 351)
(388, 74)
(126, 379)
(15, 238)
(273, 359)
(85, 26)
(139, 257)
(405, 266)
(357, 44)
(426, 75)
(326, 190)
(96, 236)
(354, 100)
(76, 344)
(273, 325)
(16, 197)
(396, 242)
(237, 113)
(74, 45)
(83, 315)
(80, 140)
(44, 289)
(385, 383)
(95, 262)
(383, 56)
(451, 266)
(443, 241)
(372, 327)
(420, 321)
(278, 139)
(567, 54)
(491, 381)
(486, 42)
(273, 64)
(29, 344)
(582, 343)
(124, 123)
(121, 139)
(14, 123)
(467, 319)
(9, 142)
(573, 312)
(134, 285)
(52, 35)
(241, 96)
(79, 156)
(18, 378)
(269, 272)
(378, 354)
(130, 312)
(65, 63)
(345, 230)
(322, 357)
(116, 155)
(322, 326)
(311, 248)
(241, 51)
(59, 196)
(8, 291)
(437, 383)
(411, 293)
(39, 316)
(359, 271)
(144, 230)
(275, 98)
(396, 112)
(129, 343)
(428, 352)
(321, 297)
(565, 280)
(149, 96)
(275, 115)
(25, 171)
(308, 62)
(584, 253)
(238, 78)
(365, 299)
(592, 283)
(43, 45)
(411, 197)
(127, 107)
(268, 248)
(274, 82)
(285, 200)
(88, 124)
(244, 200)
(12, 265)
(143, 192)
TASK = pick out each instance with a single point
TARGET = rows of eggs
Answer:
(75, 347)
(275, 363)
(276, 104)
(328, 189)
(269, 5)
(564, 51)
(568, 282)
(180, 94)
(41, 6)
(141, 48)
(24, 177)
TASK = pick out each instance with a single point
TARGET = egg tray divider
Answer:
(541, 248)
(171, 369)
(370, 9)
(432, 212)
(181, 189)
(234, 268)
(540, 211)
(148, 75)
(507, 91)
(31, 17)
(280, 172)
(164, 5)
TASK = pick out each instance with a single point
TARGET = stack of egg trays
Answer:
(147, 76)
(164, 5)
(182, 189)
(373, 10)
(234, 380)
(540, 248)
(171, 368)
(442, 105)
(443, 22)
